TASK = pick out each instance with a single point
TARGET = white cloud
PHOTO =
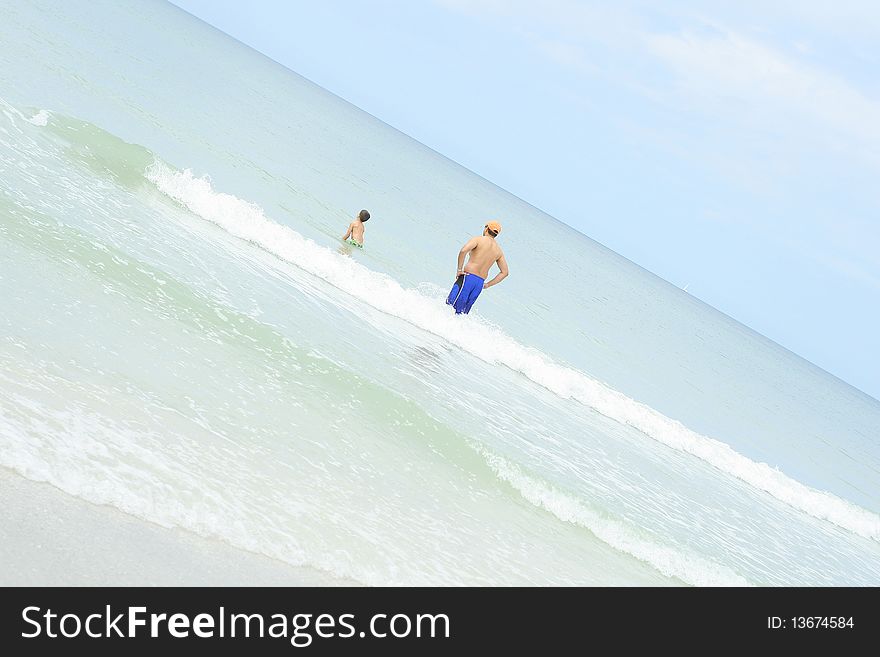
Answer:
(774, 86)
(686, 60)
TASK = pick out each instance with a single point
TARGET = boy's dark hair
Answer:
(363, 215)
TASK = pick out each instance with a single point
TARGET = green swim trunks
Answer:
(354, 242)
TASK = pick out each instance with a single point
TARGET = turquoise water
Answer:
(184, 337)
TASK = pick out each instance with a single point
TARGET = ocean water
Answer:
(184, 337)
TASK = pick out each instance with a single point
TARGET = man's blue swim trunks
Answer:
(465, 290)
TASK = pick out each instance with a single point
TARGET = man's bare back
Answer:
(484, 253)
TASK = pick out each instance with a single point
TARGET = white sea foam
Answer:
(41, 118)
(248, 222)
(686, 566)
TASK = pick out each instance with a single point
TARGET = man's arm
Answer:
(469, 246)
(502, 265)
(348, 233)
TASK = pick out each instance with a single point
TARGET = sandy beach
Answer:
(53, 539)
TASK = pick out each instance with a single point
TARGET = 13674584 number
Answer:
(820, 622)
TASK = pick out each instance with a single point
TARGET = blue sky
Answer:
(730, 147)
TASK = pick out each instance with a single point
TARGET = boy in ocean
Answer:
(355, 233)
(482, 252)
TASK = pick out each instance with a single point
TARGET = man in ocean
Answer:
(482, 252)
(355, 233)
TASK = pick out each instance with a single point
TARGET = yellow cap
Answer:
(494, 226)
